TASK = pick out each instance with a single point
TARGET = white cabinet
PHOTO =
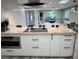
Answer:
(67, 44)
(62, 45)
(55, 45)
(36, 45)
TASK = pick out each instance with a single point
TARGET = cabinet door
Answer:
(55, 45)
(35, 45)
(67, 45)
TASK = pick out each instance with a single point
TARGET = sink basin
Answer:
(37, 30)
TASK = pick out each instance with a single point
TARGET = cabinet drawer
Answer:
(68, 41)
(37, 50)
(68, 36)
(11, 52)
(67, 51)
(36, 39)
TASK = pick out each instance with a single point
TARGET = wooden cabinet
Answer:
(36, 45)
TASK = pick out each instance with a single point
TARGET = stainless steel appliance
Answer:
(33, 3)
(30, 17)
(10, 42)
(37, 30)
(41, 28)
(73, 26)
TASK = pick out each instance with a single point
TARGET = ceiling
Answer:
(55, 3)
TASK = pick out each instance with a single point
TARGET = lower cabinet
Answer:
(67, 44)
(36, 45)
(60, 45)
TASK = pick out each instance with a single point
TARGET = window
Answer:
(50, 15)
(66, 14)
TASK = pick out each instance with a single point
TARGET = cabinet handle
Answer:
(68, 35)
(34, 39)
(52, 37)
(67, 39)
(66, 47)
(10, 50)
(35, 47)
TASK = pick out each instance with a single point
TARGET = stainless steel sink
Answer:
(36, 30)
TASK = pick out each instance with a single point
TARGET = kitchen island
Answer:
(56, 42)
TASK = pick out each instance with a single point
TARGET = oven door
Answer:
(10, 42)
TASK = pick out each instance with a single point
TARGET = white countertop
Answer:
(20, 31)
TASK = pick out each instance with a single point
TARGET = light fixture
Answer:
(63, 1)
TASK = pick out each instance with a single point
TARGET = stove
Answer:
(36, 30)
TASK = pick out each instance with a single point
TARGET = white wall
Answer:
(8, 11)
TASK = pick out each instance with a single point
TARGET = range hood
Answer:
(33, 3)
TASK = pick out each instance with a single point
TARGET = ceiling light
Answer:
(50, 3)
(45, 6)
(63, 1)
